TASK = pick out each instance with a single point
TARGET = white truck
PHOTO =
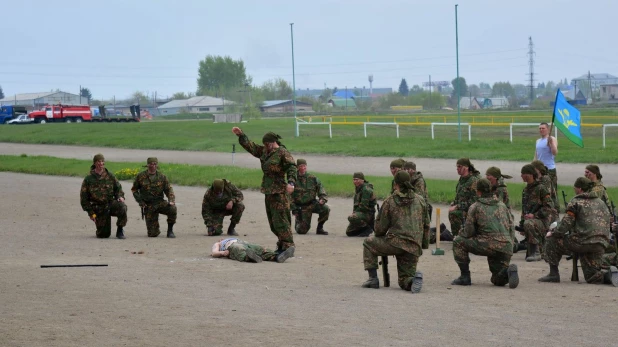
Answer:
(23, 119)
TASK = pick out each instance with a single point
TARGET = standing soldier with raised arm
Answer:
(149, 189)
(304, 202)
(278, 183)
(222, 199)
(465, 194)
(101, 196)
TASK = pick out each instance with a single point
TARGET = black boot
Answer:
(170, 230)
(553, 276)
(464, 279)
(231, 231)
(373, 281)
(320, 230)
(611, 277)
(120, 233)
(533, 253)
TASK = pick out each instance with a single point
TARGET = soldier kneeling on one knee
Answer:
(222, 199)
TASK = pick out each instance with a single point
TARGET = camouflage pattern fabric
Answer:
(279, 219)
(419, 185)
(465, 196)
(488, 232)
(553, 175)
(402, 230)
(304, 202)
(99, 195)
(610, 259)
(363, 211)
(238, 251)
(149, 191)
(537, 201)
(501, 192)
(600, 192)
(213, 206)
(546, 180)
(590, 257)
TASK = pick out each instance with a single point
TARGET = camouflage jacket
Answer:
(405, 221)
(275, 166)
(213, 203)
(365, 199)
(600, 192)
(537, 200)
(308, 186)
(490, 222)
(501, 193)
(586, 221)
(98, 191)
(546, 180)
(418, 183)
(149, 189)
(466, 191)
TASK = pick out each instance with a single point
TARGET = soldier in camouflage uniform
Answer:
(363, 215)
(500, 191)
(537, 212)
(402, 230)
(488, 232)
(396, 165)
(277, 163)
(583, 230)
(101, 196)
(240, 250)
(222, 199)
(593, 173)
(304, 202)
(546, 179)
(418, 183)
(148, 190)
(465, 194)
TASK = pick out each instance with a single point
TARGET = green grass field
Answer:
(488, 142)
(440, 191)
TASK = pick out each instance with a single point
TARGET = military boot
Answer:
(611, 277)
(373, 281)
(231, 231)
(533, 253)
(320, 230)
(464, 279)
(283, 256)
(120, 233)
(553, 276)
(417, 283)
(252, 257)
(513, 276)
(170, 230)
(366, 232)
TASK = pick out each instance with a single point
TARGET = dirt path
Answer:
(371, 166)
(176, 295)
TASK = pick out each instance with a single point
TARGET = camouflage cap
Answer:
(402, 177)
(218, 185)
(359, 175)
(152, 160)
(483, 185)
(595, 170)
(584, 184)
(398, 163)
(409, 165)
(270, 137)
(495, 172)
(301, 162)
(540, 166)
(464, 162)
(98, 157)
(528, 169)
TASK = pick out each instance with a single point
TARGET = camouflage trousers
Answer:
(359, 221)
(215, 217)
(610, 259)
(103, 221)
(302, 223)
(535, 230)
(238, 251)
(374, 247)
(152, 212)
(280, 219)
(456, 218)
(554, 183)
(498, 262)
(590, 256)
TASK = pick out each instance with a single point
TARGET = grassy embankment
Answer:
(488, 142)
(441, 191)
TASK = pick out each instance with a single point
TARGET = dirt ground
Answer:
(174, 294)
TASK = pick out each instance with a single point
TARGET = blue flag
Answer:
(568, 119)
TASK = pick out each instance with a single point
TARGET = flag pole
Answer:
(553, 115)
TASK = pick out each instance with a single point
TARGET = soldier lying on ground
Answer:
(240, 250)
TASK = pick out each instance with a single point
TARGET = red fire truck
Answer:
(75, 114)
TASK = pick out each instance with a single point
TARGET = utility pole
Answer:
(590, 87)
(293, 73)
(430, 92)
(531, 68)
(458, 81)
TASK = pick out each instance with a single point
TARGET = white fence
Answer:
(527, 124)
(607, 126)
(469, 129)
(330, 128)
(379, 123)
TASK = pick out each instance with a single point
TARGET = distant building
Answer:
(609, 92)
(285, 106)
(469, 103)
(34, 101)
(596, 79)
(196, 104)
(358, 92)
(493, 103)
(342, 103)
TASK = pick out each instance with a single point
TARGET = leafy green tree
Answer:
(460, 86)
(416, 89)
(220, 74)
(85, 93)
(278, 89)
(139, 97)
(504, 89)
(474, 90)
(179, 96)
(1, 93)
(326, 94)
(403, 87)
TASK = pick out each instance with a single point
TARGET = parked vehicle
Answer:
(23, 119)
(76, 114)
(10, 112)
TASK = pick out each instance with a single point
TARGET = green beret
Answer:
(540, 166)
(409, 165)
(398, 163)
(483, 185)
(584, 184)
(595, 170)
(495, 172)
(98, 157)
(270, 137)
(301, 162)
(359, 175)
(152, 160)
(464, 162)
(528, 169)
(402, 177)
(218, 185)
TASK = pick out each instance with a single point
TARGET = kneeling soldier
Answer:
(304, 202)
(222, 199)
(489, 232)
(401, 229)
(148, 189)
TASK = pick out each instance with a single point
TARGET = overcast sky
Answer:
(117, 47)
